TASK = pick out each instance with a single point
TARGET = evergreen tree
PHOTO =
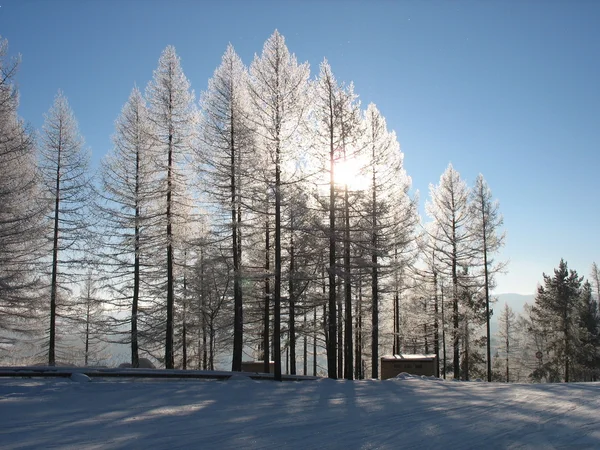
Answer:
(556, 316)
(595, 277)
(588, 359)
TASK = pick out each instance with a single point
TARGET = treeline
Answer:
(270, 219)
(555, 339)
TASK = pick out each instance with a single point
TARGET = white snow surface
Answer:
(405, 412)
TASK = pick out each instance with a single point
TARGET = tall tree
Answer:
(387, 211)
(21, 224)
(337, 113)
(129, 189)
(64, 169)
(278, 95)
(485, 229)
(173, 117)
(326, 108)
(448, 208)
(227, 140)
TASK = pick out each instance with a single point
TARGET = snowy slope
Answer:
(242, 413)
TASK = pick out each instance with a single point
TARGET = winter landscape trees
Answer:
(21, 223)
(67, 190)
(275, 221)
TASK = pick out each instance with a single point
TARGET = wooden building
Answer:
(393, 365)
(257, 366)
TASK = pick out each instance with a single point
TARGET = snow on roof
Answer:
(428, 357)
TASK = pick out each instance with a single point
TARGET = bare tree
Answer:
(485, 229)
(278, 97)
(129, 189)
(90, 318)
(389, 214)
(21, 212)
(506, 332)
(173, 117)
(227, 141)
(64, 166)
(448, 208)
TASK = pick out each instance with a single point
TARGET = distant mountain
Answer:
(516, 303)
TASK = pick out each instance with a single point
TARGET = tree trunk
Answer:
(184, 326)
(340, 339)
(331, 342)
(54, 281)
(277, 309)
(305, 348)
(507, 352)
(436, 326)
(203, 306)
(266, 312)
(443, 328)
(292, 312)
(169, 357)
(374, 282)
(455, 329)
(87, 327)
(135, 355)
(357, 338)
(315, 342)
(487, 307)
(238, 320)
(348, 353)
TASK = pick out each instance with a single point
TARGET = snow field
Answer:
(406, 412)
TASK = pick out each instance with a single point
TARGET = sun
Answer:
(351, 173)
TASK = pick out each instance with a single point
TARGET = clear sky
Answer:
(510, 89)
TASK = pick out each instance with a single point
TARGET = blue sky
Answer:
(506, 88)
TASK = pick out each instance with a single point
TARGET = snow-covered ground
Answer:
(406, 412)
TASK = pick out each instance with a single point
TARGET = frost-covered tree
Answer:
(588, 348)
(64, 169)
(227, 143)
(338, 123)
(278, 96)
(556, 317)
(129, 192)
(21, 221)
(449, 211)
(506, 333)
(90, 318)
(389, 216)
(485, 226)
(595, 277)
(173, 117)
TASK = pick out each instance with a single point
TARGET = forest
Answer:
(269, 219)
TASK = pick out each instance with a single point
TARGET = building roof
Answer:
(429, 357)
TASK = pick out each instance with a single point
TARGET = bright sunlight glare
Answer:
(351, 173)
